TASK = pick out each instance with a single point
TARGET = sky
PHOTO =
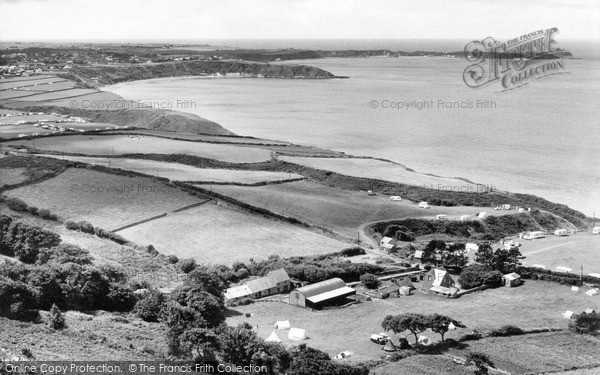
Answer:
(294, 19)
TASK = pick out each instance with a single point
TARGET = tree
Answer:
(480, 361)
(501, 260)
(485, 255)
(201, 343)
(187, 265)
(430, 250)
(239, 344)
(456, 256)
(148, 307)
(440, 323)
(586, 324)
(415, 323)
(56, 318)
(120, 297)
(370, 281)
(492, 279)
(470, 279)
(18, 300)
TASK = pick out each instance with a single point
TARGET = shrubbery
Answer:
(370, 281)
(187, 265)
(470, 279)
(507, 330)
(18, 300)
(149, 306)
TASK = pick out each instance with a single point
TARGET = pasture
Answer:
(570, 251)
(340, 210)
(536, 304)
(182, 172)
(214, 234)
(207, 138)
(32, 83)
(39, 96)
(381, 170)
(12, 176)
(123, 144)
(106, 200)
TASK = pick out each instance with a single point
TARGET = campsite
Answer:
(350, 328)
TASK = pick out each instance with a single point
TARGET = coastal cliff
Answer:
(154, 119)
(99, 75)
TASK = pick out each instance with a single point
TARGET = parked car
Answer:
(379, 338)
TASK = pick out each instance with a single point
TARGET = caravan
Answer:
(596, 230)
(561, 232)
(423, 205)
(534, 235)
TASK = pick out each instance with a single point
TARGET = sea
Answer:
(542, 138)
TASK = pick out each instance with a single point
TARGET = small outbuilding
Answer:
(512, 279)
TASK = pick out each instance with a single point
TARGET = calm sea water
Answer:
(541, 139)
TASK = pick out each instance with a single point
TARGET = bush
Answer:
(64, 253)
(172, 259)
(149, 305)
(507, 330)
(71, 225)
(187, 265)
(370, 281)
(16, 204)
(242, 273)
(493, 279)
(56, 318)
(18, 300)
(46, 214)
(86, 227)
(119, 298)
(470, 280)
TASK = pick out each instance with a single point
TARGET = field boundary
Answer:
(160, 216)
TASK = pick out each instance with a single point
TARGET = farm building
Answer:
(470, 246)
(276, 281)
(418, 256)
(405, 281)
(321, 294)
(238, 292)
(388, 244)
(387, 291)
(438, 280)
(512, 279)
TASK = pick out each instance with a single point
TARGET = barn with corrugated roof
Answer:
(324, 293)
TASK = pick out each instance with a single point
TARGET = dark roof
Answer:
(279, 275)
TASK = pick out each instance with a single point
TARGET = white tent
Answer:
(425, 341)
(283, 324)
(574, 289)
(568, 314)
(273, 338)
(592, 292)
(451, 327)
(297, 334)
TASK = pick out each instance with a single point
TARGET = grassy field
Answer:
(32, 83)
(13, 131)
(105, 337)
(536, 304)
(376, 169)
(106, 200)
(423, 365)
(122, 144)
(538, 353)
(207, 138)
(12, 176)
(51, 95)
(570, 251)
(340, 210)
(220, 235)
(181, 172)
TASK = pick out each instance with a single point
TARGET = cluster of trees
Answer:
(438, 252)
(24, 241)
(586, 324)
(502, 260)
(399, 232)
(54, 273)
(490, 229)
(418, 323)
